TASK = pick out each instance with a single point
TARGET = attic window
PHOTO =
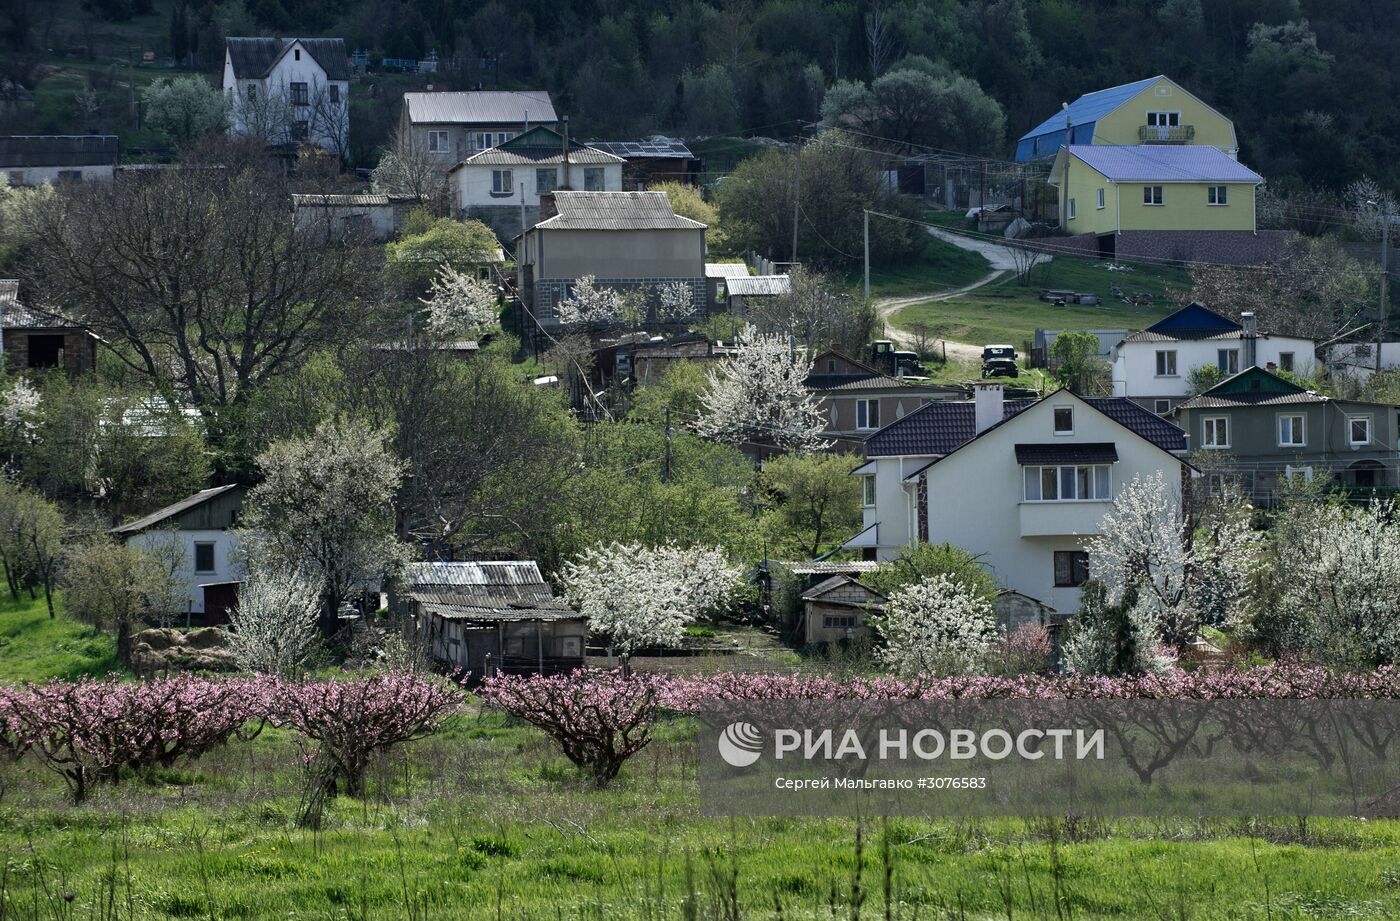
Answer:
(297, 53)
(1064, 420)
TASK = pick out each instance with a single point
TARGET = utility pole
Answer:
(666, 471)
(797, 196)
(1064, 186)
(867, 254)
(1385, 285)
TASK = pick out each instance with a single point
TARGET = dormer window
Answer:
(1064, 420)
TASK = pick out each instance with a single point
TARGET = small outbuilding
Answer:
(836, 609)
(489, 617)
(37, 339)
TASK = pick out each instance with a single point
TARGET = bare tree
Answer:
(923, 338)
(879, 40)
(197, 276)
(407, 169)
(329, 126)
(815, 314)
(266, 116)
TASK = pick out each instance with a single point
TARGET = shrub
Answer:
(599, 719)
(354, 718)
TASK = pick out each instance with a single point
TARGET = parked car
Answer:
(999, 361)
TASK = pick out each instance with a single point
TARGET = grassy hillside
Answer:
(34, 647)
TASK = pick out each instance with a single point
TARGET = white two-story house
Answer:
(286, 90)
(1152, 367)
(1021, 484)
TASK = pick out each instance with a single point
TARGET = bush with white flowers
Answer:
(936, 626)
(459, 304)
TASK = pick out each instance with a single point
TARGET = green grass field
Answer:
(1011, 312)
(939, 267)
(34, 647)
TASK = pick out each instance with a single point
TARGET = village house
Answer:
(1263, 429)
(34, 159)
(1020, 484)
(626, 240)
(717, 275)
(1044, 340)
(450, 127)
(489, 617)
(287, 90)
(198, 534)
(1153, 366)
(857, 399)
(656, 159)
(1357, 360)
(835, 610)
(367, 216)
(36, 340)
(650, 360)
(511, 186)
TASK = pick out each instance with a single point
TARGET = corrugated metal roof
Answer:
(173, 510)
(850, 567)
(758, 285)
(254, 57)
(530, 156)
(657, 148)
(615, 211)
(340, 201)
(835, 582)
(36, 150)
(1092, 452)
(1049, 136)
(15, 315)
(1206, 401)
(726, 270)
(501, 615)
(1163, 163)
(874, 381)
(474, 573)
(487, 107)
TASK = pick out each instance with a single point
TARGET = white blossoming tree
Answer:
(19, 404)
(643, 596)
(1143, 552)
(758, 396)
(588, 304)
(459, 304)
(275, 624)
(936, 626)
(675, 301)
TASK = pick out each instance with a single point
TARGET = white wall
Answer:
(471, 185)
(38, 175)
(225, 549)
(1135, 369)
(894, 509)
(1358, 360)
(315, 217)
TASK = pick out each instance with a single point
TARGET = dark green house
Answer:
(1265, 428)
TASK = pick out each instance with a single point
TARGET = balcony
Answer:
(1166, 134)
(1062, 519)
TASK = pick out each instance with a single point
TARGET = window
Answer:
(1285, 361)
(437, 141)
(44, 350)
(502, 137)
(867, 414)
(1071, 568)
(502, 182)
(333, 93)
(1071, 209)
(1164, 119)
(297, 54)
(1358, 430)
(1215, 432)
(203, 557)
(481, 140)
(1228, 360)
(1161, 407)
(1292, 431)
(1068, 484)
(1064, 420)
(16, 177)
(70, 175)
(1216, 195)
(1166, 363)
(838, 621)
(867, 484)
(1151, 195)
(300, 95)
(1100, 200)
(593, 179)
(831, 366)
(546, 180)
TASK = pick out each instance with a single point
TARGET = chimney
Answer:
(987, 401)
(564, 133)
(1251, 339)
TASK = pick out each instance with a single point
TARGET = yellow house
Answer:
(1157, 110)
(1113, 189)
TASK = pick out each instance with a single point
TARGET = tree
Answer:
(936, 626)
(428, 244)
(1203, 377)
(1114, 638)
(184, 109)
(324, 507)
(644, 596)
(909, 108)
(31, 541)
(680, 390)
(198, 279)
(687, 201)
(921, 562)
(1079, 366)
(110, 586)
(589, 305)
(329, 124)
(814, 314)
(460, 304)
(275, 622)
(814, 497)
(407, 168)
(758, 396)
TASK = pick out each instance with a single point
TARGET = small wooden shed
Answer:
(488, 617)
(835, 609)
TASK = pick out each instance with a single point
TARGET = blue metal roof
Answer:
(1194, 316)
(1049, 136)
(1154, 163)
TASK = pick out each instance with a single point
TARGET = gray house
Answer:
(1264, 429)
(489, 617)
(450, 127)
(34, 339)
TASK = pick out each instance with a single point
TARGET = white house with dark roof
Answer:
(450, 127)
(507, 183)
(1021, 484)
(1153, 366)
(286, 90)
(626, 240)
(34, 159)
